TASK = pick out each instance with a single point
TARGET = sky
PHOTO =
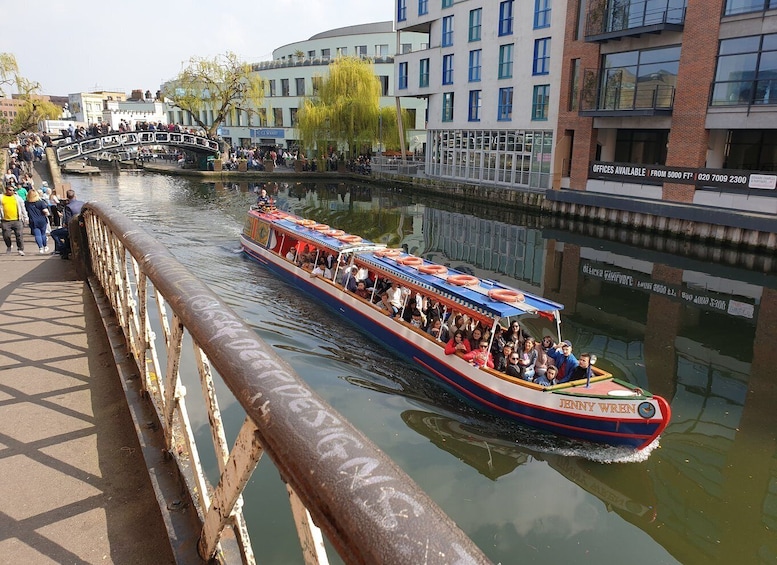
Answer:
(87, 45)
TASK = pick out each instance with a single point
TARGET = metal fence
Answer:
(340, 484)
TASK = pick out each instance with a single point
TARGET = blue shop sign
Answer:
(268, 133)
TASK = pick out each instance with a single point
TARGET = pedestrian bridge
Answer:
(128, 143)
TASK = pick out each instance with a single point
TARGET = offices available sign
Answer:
(659, 174)
(706, 300)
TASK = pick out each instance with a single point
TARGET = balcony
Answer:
(618, 93)
(614, 19)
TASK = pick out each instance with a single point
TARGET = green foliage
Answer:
(346, 111)
(223, 84)
(34, 108)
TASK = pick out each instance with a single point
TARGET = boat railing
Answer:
(171, 330)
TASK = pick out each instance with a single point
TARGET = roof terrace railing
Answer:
(338, 481)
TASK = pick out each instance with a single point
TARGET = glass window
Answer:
(278, 117)
(506, 17)
(474, 105)
(751, 150)
(541, 56)
(447, 107)
(744, 6)
(401, 10)
(271, 90)
(312, 54)
(447, 3)
(639, 79)
(293, 115)
(474, 65)
(402, 79)
(423, 73)
(541, 13)
(361, 50)
(539, 103)
(342, 51)
(384, 85)
(505, 111)
(284, 87)
(574, 86)
(641, 146)
(447, 31)
(506, 61)
(447, 69)
(423, 7)
(407, 48)
(316, 83)
(300, 83)
(746, 72)
(381, 50)
(475, 24)
(325, 53)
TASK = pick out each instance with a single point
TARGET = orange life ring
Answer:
(349, 238)
(433, 270)
(306, 223)
(506, 295)
(386, 252)
(410, 261)
(320, 227)
(463, 280)
(334, 233)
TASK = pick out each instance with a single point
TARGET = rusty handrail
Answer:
(368, 508)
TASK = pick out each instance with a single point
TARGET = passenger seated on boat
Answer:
(437, 330)
(583, 369)
(347, 279)
(432, 309)
(502, 358)
(527, 359)
(476, 336)
(322, 270)
(513, 368)
(395, 298)
(499, 341)
(549, 378)
(543, 361)
(481, 356)
(516, 334)
(292, 254)
(457, 344)
(362, 290)
(417, 319)
(564, 360)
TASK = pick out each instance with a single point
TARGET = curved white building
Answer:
(296, 70)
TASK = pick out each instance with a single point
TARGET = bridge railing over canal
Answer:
(339, 483)
(130, 141)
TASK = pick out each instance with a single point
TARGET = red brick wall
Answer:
(688, 136)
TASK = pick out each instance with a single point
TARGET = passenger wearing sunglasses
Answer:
(481, 356)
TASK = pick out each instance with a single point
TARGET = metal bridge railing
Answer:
(123, 141)
(337, 479)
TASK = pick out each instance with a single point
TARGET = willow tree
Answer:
(346, 111)
(34, 108)
(224, 85)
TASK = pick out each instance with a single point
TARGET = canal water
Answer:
(701, 334)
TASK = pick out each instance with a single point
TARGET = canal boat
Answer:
(600, 409)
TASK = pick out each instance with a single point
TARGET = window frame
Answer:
(540, 103)
(506, 16)
(504, 112)
(402, 76)
(475, 27)
(506, 65)
(447, 69)
(475, 103)
(541, 61)
(542, 12)
(423, 7)
(475, 70)
(446, 38)
(401, 10)
(447, 106)
(423, 77)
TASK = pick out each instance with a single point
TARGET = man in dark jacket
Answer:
(61, 236)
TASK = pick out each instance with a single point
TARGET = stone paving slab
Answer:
(75, 487)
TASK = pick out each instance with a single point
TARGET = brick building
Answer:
(670, 100)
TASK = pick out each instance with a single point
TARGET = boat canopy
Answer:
(475, 298)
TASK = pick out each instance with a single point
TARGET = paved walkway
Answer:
(74, 485)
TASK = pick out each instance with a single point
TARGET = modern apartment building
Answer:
(492, 75)
(671, 100)
(297, 69)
